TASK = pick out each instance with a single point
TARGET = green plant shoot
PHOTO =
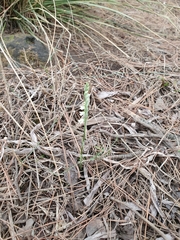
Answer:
(84, 118)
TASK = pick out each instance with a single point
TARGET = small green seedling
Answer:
(165, 83)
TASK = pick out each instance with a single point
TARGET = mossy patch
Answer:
(26, 49)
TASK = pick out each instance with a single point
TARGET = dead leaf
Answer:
(153, 212)
(104, 235)
(104, 94)
(33, 135)
(88, 200)
(97, 120)
(160, 104)
(145, 112)
(155, 199)
(126, 231)
(26, 231)
(168, 237)
(145, 173)
(175, 117)
(71, 175)
(94, 226)
(130, 205)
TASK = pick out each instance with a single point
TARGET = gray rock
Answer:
(26, 49)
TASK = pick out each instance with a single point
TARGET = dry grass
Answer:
(129, 187)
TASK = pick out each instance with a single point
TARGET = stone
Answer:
(25, 49)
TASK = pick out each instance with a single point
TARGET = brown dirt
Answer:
(129, 185)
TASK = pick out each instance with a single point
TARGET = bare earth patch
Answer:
(129, 185)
